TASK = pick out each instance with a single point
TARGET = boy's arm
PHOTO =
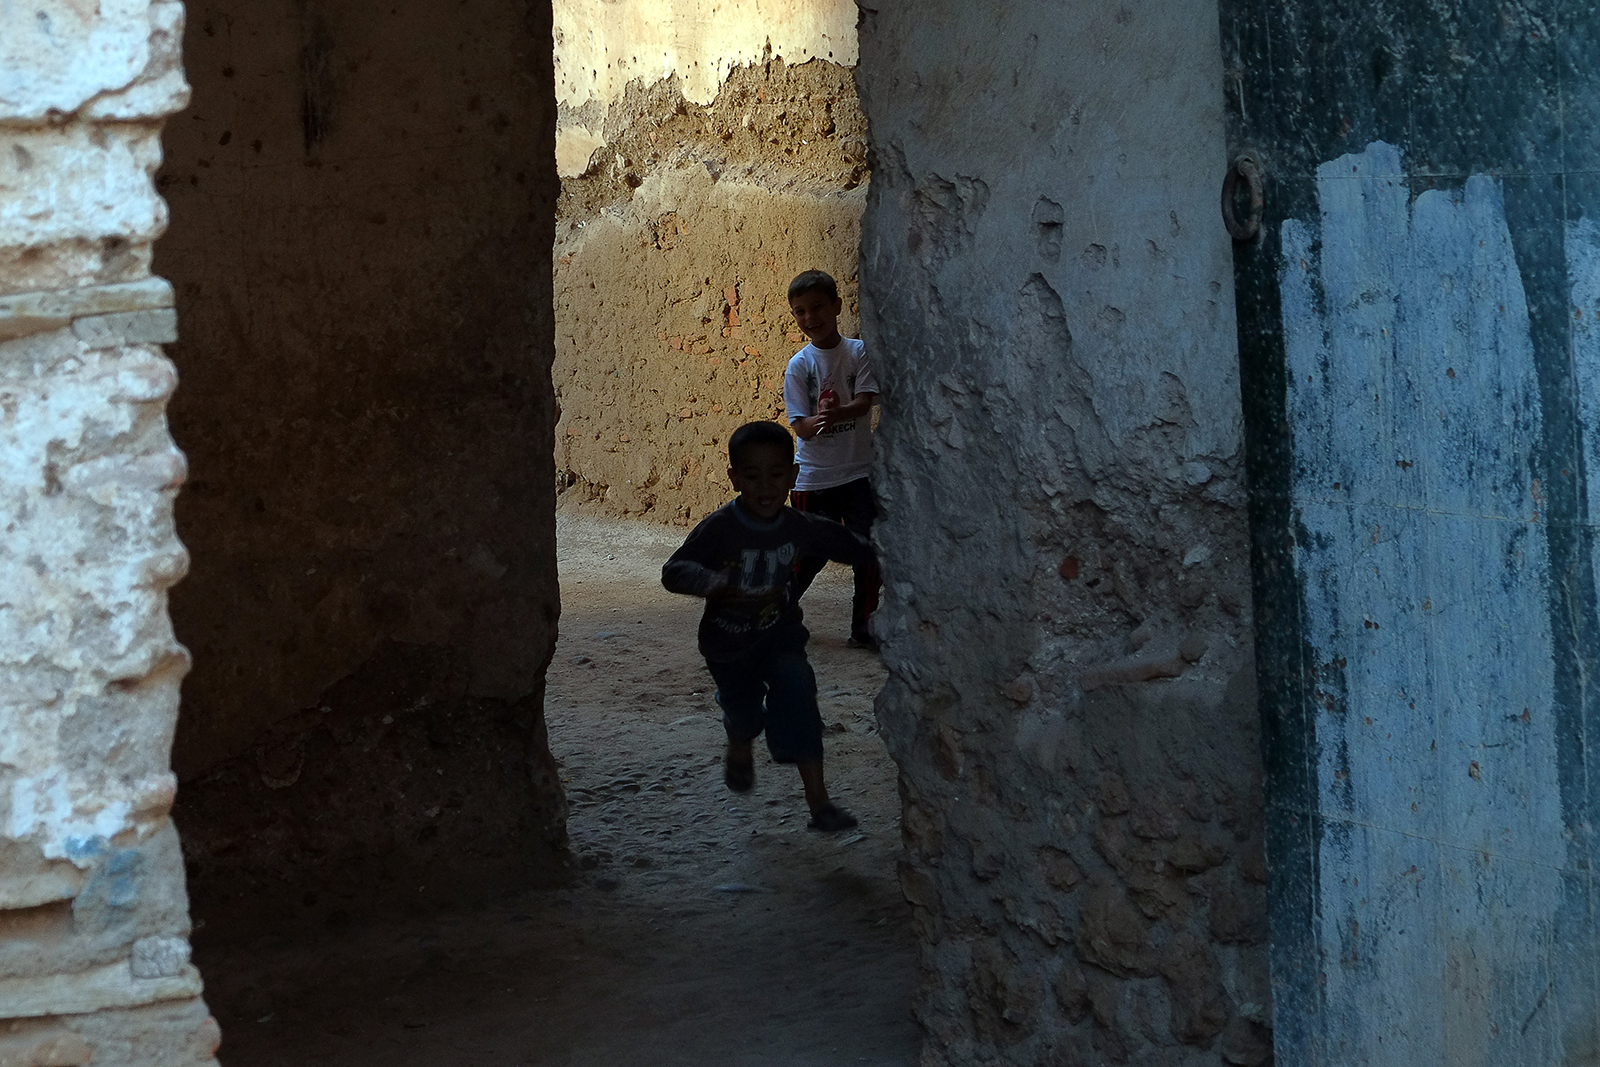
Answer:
(836, 542)
(693, 579)
(858, 407)
(808, 426)
(796, 402)
(690, 570)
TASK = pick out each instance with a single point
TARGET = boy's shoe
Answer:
(866, 641)
(738, 768)
(830, 819)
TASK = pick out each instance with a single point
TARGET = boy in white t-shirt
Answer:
(829, 391)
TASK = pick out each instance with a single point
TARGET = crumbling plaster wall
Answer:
(709, 153)
(1047, 283)
(363, 201)
(94, 925)
(602, 46)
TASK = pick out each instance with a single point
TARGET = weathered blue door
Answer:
(1420, 334)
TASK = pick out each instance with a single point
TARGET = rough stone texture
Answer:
(1067, 625)
(93, 917)
(113, 61)
(674, 253)
(154, 1035)
(362, 209)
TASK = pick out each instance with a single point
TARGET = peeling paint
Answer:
(89, 667)
(602, 45)
(1415, 409)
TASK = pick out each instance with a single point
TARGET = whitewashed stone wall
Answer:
(94, 952)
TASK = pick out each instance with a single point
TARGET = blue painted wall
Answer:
(1421, 348)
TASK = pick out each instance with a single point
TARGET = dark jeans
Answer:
(772, 688)
(851, 504)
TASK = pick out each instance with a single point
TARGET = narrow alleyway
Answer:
(699, 927)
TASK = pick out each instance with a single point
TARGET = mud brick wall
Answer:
(691, 195)
(362, 207)
(94, 924)
(1047, 282)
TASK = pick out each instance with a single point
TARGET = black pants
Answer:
(851, 504)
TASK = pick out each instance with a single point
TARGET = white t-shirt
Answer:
(843, 452)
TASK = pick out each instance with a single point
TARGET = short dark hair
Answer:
(814, 281)
(755, 434)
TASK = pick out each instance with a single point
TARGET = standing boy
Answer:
(829, 391)
(741, 558)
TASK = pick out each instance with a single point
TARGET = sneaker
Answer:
(738, 768)
(830, 819)
(866, 641)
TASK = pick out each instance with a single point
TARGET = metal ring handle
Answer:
(1244, 168)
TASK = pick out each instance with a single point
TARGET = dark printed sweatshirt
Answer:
(759, 559)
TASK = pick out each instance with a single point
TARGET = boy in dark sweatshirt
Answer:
(742, 558)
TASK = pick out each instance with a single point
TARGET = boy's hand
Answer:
(807, 426)
(721, 586)
(827, 410)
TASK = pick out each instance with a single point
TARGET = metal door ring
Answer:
(1243, 168)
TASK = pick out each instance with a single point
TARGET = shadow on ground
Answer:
(698, 927)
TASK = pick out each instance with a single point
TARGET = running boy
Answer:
(829, 391)
(741, 558)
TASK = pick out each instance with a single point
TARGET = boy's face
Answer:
(763, 475)
(817, 315)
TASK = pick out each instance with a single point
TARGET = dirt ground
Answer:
(700, 927)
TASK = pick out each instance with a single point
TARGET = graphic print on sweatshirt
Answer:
(764, 577)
